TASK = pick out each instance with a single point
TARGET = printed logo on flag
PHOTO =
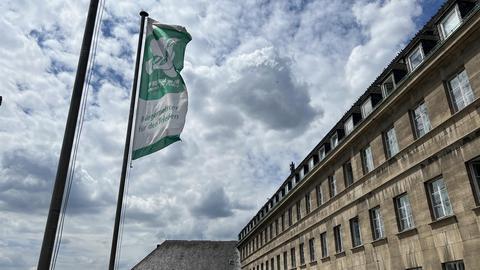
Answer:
(163, 99)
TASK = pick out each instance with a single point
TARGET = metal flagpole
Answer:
(126, 151)
(68, 139)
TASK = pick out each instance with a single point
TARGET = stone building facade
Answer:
(192, 255)
(395, 184)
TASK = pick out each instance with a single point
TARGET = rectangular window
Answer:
(272, 263)
(282, 221)
(388, 86)
(311, 247)
(276, 227)
(261, 238)
(376, 220)
(299, 213)
(404, 213)
(311, 163)
(367, 159)
(266, 236)
(318, 190)
(321, 153)
(460, 91)
(285, 265)
(349, 125)
(293, 259)
(456, 265)
(258, 267)
(450, 22)
(337, 233)
(421, 121)
(355, 232)
(307, 202)
(302, 254)
(278, 262)
(323, 243)
(334, 140)
(271, 231)
(390, 142)
(415, 58)
(367, 108)
(266, 265)
(332, 183)
(439, 201)
(290, 219)
(261, 266)
(474, 167)
(348, 173)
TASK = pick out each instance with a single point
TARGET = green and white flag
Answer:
(162, 100)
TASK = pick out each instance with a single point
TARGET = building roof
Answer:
(192, 255)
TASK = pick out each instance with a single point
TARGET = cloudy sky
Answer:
(266, 80)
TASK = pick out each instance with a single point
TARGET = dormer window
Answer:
(349, 125)
(388, 86)
(301, 174)
(311, 163)
(334, 140)
(415, 58)
(450, 22)
(321, 153)
(367, 108)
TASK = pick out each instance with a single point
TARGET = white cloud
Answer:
(266, 80)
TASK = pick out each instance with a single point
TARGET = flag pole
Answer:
(51, 226)
(126, 151)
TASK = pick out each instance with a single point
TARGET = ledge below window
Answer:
(303, 266)
(476, 209)
(313, 263)
(357, 248)
(340, 254)
(407, 233)
(379, 241)
(325, 259)
(443, 221)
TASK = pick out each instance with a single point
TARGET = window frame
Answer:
(443, 34)
(349, 125)
(459, 265)
(419, 47)
(324, 244)
(414, 122)
(308, 203)
(334, 140)
(474, 180)
(322, 153)
(311, 249)
(353, 232)
(332, 185)
(293, 259)
(318, 191)
(429, 190)
(386, 145)
(301, 251)
(449, 89)
(363, 157)
(377, 220)
(397, 213)
(348, 172)
(285, 260)
(385, 92)
(298, 210)
(337, 236)
(364, 112)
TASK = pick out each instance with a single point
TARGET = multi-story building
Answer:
(395, 184)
